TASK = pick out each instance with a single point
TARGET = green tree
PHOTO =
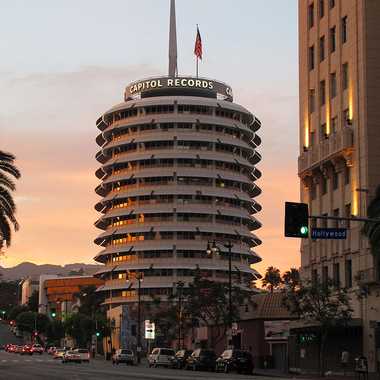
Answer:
(206, 301)
(7, 204)
(28, 320)
(33, 301)
(272, 278)
(80, 327)
(90, 300)
(323, 305)
(55, 332)
(372, 229)
(16, 310)
(291, 279)
(8, 298)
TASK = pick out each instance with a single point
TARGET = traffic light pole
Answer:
(342, 218)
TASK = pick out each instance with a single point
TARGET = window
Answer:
(324, 185)
(347, 174)
(313, 191)
(347, 213)
(333, 85)
(345, 76)
(311, 57)
(332, 39)
(344, 29)
(336, 275)
(324, 222)
(314, 276)
(311, 15)
(325, 275)
(348, 273)
(321, 8)
(336, 222)
(335, 180)
(312, 100)
(322, 48)
(346, 117)
(322, 93)
(331, 4)
(323, 135)
(334, 124)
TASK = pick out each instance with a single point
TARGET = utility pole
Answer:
(139, 279)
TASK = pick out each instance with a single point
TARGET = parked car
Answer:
(71, 356)
(123, 356)
(161, 356)
(201, 359)
(58, 354)
(179, 360)
(83, 353)
(37, 349)
(27, 349)
(235, 360)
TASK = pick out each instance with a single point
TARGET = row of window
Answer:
(321, 13)
(333, 182)
(181, 199)
(181, 180)
(169, 253)
(179, 162)
(182, 144)
(128, 130)
(178, 217)
(177, 235)
(333, 88)
(170, 108)
(336, 275)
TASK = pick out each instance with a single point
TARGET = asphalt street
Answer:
(44, 367)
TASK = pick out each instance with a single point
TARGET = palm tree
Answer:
(7, 204)
(272, 278)
(292, 279)
(372, 229)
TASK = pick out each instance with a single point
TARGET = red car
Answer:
(27, 350)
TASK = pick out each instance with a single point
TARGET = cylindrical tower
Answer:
(177, 171)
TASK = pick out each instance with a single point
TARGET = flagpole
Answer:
(197, 67)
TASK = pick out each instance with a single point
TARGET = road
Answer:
(44, 367)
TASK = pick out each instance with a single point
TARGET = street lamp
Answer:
(139, 278)
(179, 285)
(213, 249)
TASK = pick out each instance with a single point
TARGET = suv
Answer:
(123, 356)
(161, 356)
(179, 359)
(201, 359)
(235, 360)
(37, 349)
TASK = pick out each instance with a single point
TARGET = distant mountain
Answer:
(33, 270)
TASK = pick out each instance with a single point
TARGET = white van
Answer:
(161, 356)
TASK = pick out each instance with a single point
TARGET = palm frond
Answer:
(10, 168)
(7, 182)
(5, 229)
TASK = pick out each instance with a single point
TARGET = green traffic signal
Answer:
(304, 230)
(53, 315)
(97, 333)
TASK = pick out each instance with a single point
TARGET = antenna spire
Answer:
(173, 69)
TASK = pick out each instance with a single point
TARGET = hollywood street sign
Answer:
(329, 233)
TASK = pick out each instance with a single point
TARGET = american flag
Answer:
(198, 45)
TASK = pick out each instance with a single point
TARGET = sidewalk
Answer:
(277, 373)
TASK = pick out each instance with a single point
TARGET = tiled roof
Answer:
(270, 306)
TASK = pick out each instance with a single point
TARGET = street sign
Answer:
(149, 329)
(329, 233)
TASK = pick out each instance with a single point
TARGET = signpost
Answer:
(329, 233)
(150, 332)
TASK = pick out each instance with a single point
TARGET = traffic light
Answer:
(53, 314)
(296, 220)
(97, 334)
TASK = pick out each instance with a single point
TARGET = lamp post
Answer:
(213, 248)
(139, 278)
(180, 285)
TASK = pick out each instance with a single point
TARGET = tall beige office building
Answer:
(339, 161)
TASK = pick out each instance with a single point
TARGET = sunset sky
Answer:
(64, 63)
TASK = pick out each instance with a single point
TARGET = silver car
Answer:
(123, 356)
